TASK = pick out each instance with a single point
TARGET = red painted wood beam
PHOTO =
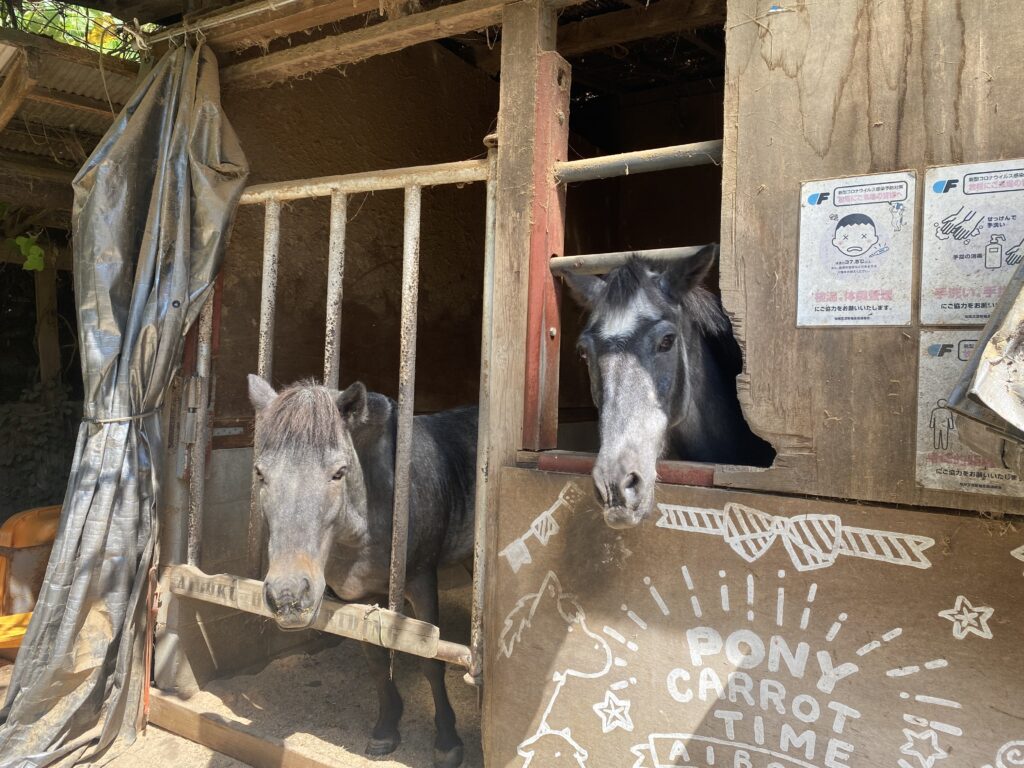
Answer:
(547, 240)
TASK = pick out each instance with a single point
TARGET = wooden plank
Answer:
(547, 241)
(842, 402)
(359, 622)
(18, 83)
(42, 95)
(228, 736)
(619, 27)
(753, 625)
(529, 31)
(387, 37)
(47, 340)
(253, 23)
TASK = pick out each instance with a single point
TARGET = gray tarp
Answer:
(989, 397)
(153, 208)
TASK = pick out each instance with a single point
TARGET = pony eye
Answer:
(667, 342)
(340, 473)
(582, 352)
(259, 475)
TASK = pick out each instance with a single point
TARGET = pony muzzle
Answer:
(625, 496)
(293, 601)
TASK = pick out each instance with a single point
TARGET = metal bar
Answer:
(463, 172)
(198, 393)
(335, 277)
(367, 623)
(644, 161)
(406, 398)
(602, 263)
(669, 472)
(476, 642)
(265, 364)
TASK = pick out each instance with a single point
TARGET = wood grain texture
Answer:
(18, 83)
(529, 32)
(822, 90)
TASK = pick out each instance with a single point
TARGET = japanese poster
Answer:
(973, 239)
(942, 461)
(856, 250)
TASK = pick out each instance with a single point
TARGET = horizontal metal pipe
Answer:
(643, 161)
(669, 472)
(463, 172)
(602, 263)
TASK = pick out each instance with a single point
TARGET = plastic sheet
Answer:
(153, 209)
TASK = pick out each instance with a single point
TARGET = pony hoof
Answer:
(380, 747)
(450, 759)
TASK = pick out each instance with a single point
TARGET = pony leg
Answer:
(385, 737)
(448, 751)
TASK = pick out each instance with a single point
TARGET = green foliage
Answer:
(33, 253)
(70, 24)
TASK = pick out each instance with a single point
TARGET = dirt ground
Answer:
(321, 704)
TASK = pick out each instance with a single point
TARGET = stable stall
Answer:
(419, 184)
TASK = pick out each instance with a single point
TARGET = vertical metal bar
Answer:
(406, 397)
(475, 674)
(265, 364)
(335, 276)
(198, 394)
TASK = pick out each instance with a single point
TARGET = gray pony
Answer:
(325, 466)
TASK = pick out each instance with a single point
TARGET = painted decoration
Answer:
(943, 462)
(856, 250)
(735, 630)
(972, 239)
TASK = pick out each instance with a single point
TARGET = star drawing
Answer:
(968, 619)
(614, 713)
(924, 745)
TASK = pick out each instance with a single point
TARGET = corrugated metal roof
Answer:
(62, 118)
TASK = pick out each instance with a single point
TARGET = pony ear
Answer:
(585, 289)
(686, 274)
(352, 403)
(261, 394)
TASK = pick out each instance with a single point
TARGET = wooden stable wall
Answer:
(824, 89)
(741, 630)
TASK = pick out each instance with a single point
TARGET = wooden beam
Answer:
(47, 340)
(528, 28)
(227, 736)
(18, 83)
(68, 53)
(243, 25)
(349, 47)
(618, 27)
(42, 95)
(547, 241)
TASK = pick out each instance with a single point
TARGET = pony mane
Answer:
(637, 274)
(304, 416)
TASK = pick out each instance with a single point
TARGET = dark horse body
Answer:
(663, 364)
(325, 462)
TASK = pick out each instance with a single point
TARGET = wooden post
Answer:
(547, 241)
(528, 31)
(47, 340)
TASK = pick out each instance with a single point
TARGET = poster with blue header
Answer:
(856, 264)
(973, 239)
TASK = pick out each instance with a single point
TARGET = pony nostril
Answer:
(631, 487)
(268, 597)
(599, 489)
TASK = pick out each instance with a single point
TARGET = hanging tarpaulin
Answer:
(989, 396)
(153, 208)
